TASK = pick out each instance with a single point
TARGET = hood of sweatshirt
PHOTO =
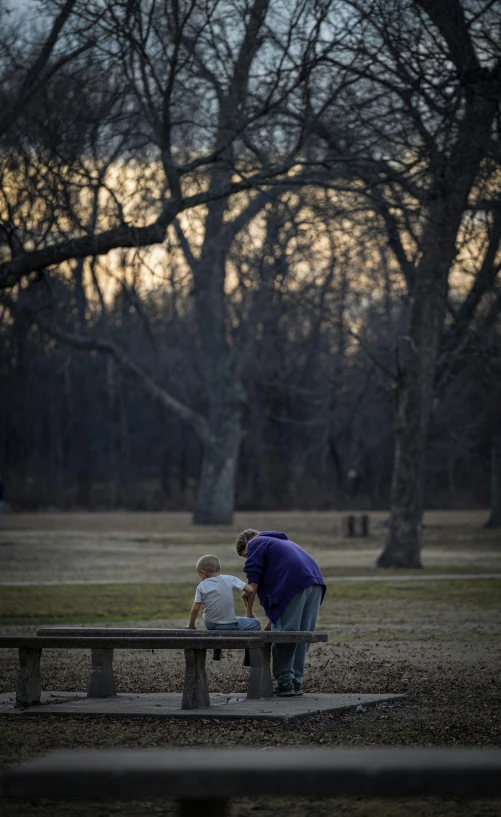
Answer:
(274, 534)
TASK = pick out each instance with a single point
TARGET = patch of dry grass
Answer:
(120, 547)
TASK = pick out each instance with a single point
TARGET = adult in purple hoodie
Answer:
(290, 587)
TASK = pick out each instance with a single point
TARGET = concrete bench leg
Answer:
(102, 680)
(260, 680)
(196, 691)
(29, 687)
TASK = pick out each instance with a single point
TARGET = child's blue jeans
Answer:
(242, 623)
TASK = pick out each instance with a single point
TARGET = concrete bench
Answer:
(205, 781)
(195, 644)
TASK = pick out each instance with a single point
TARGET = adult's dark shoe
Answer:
(284, 692)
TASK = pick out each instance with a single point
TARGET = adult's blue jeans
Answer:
(242, 623)
(301, 613)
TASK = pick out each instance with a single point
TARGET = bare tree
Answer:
(184, 133)
(200, 89)
(413, 127)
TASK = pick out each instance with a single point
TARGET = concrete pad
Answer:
(168, 705)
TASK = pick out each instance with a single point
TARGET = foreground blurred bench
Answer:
(205, 781)
(195, 644)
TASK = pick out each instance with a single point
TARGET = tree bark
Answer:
(216, 485)
(414, 403)
(495, 517)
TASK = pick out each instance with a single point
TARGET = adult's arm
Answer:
(255, 562)
(248, 595)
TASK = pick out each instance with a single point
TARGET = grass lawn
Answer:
(92, 604)
(80, 604)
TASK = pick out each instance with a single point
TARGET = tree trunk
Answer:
(82, 436)
(414, 402)
(448, 197)
(495, 517)
(84, 479)
(216, 485)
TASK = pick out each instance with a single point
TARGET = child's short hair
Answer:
(210, 564)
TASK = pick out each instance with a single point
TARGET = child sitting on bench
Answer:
(215, 592)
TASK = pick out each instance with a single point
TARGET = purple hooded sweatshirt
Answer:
(281, 569)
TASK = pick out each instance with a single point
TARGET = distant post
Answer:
(353, 526)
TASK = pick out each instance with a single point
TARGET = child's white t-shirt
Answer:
(216, 595)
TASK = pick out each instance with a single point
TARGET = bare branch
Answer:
(36, 76)
(186, 414)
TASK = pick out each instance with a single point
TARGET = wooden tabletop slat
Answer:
(104, 632)
(142, 643)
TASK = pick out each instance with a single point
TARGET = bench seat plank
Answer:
(132, 632)
(132, 643)
(280, 637)
(225, 773)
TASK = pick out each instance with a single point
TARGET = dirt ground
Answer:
(439, 642)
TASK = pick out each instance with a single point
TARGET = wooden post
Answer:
(365, 525)
(29, 686)
(260, 680)
(102, 680)
(348, 526)
(353, 526)
(196, 690)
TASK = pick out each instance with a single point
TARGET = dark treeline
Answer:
(79, 432)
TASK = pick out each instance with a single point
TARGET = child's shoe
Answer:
(298, 688)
